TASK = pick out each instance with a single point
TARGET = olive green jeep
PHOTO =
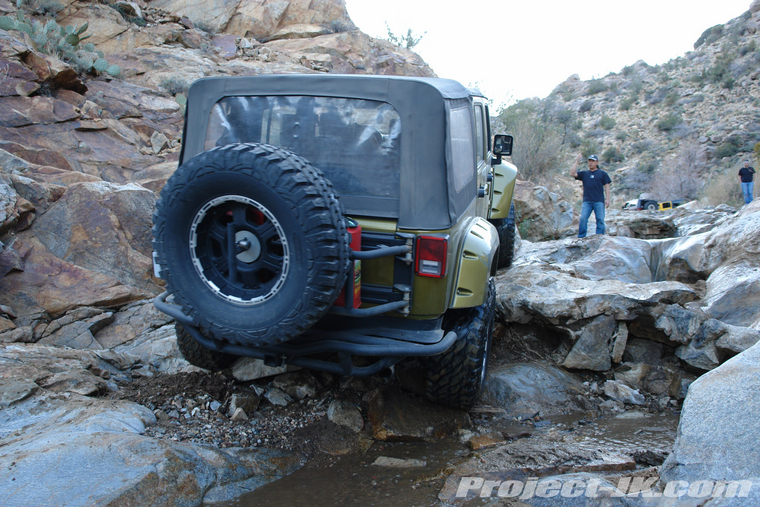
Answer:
(339, 223)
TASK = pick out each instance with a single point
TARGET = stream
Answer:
(419, 476)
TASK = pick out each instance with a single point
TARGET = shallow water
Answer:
(353, 480)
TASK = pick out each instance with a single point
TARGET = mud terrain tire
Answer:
(200, 356)
(455, 377)
(252, 242)
(506, 229)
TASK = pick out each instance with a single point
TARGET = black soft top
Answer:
(429, 197)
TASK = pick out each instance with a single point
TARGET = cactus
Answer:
(7, 23)
(63, 42)
(100, 65)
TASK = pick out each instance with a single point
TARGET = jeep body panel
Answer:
(504, 178)
(476, 262)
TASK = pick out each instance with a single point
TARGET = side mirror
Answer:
(502, 145)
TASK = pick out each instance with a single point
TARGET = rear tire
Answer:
(456, 377)
(506, 230)
(200, 356)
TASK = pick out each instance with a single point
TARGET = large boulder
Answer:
(542, 214)
(104, 228)
(50, 442)
(528, 388)
(718, 436)
(260, 19)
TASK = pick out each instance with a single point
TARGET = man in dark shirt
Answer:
(746, 174)
(596, 193)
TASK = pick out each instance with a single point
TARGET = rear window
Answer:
(355, 143)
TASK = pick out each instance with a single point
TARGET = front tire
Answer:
(456, 377)
(506, 230)
(252, 242)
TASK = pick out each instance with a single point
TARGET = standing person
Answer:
(746, 174)
(596, 193)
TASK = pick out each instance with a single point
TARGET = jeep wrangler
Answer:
(341, 223)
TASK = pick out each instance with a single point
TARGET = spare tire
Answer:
(252, 242)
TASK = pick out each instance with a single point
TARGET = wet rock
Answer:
(621, 392)
(486, 441)
(717, 435)
(345, 414)
(526, 389)
(385, 461)
(400, 417)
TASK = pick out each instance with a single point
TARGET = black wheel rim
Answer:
(239, 250)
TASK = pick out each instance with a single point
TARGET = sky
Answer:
(515, 49)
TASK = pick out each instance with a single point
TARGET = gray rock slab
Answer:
(718, 435)
(526, 388)
(90, 452)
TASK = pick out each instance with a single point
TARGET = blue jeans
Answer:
(747, 189)
(586, 209)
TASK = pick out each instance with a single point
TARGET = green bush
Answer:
(626, 103)
(607, 122)
(612, 154)
(174, 85)
(729, 148)
(596, 86)
(669, 122)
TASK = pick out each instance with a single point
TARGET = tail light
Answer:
(431, 256)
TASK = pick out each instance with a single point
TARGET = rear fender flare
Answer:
(476, 264)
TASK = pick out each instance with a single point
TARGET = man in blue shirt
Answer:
(596, 193)
(745, 175)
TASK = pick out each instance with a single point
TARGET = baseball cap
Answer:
(594, 158)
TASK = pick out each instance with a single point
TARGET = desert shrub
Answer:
(596, 86)
(174, 85)
(586, 106)
(408, 40)
(621, 136)
(613, 154)
(669, 122)
(643, 146)
(672, 98)
(607, 122)
(728, 148)
(626, 103)
(589, 147)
